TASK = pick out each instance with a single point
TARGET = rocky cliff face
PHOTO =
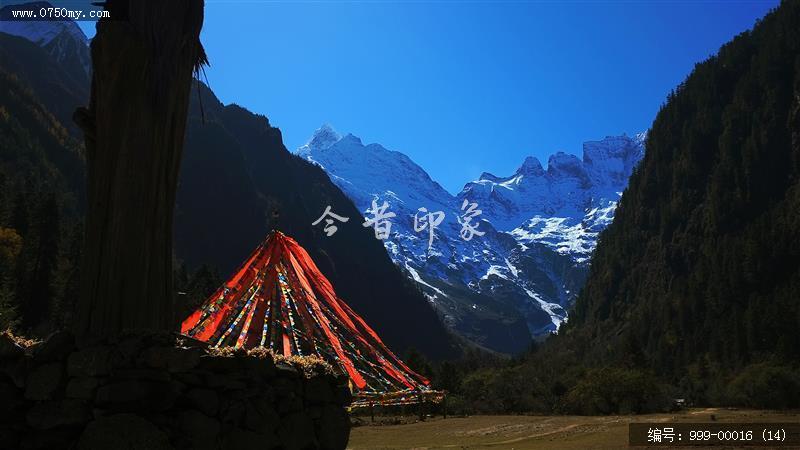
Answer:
(518, 279)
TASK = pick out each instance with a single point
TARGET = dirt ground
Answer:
(536, 432)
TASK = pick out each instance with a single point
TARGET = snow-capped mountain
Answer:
(517, 279)
(565, 206)
(63, 39)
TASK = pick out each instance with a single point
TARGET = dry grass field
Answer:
(536, 432)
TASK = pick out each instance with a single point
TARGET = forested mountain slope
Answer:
(699, 274)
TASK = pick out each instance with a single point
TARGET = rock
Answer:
(224, 382)
(201, 431)
(240, 439)
(261, 417)
(83, 341)
(260, 367)
(9, 437)
(285, 387)
(290, 404)
(333, 430)
(16, 371)
(177, 387)
(52, 414)
(285, 370)
(82, 388)
(193, 378)
(159, 339)
(296, 432)
(43, 381)
(172, 358)
(318, 390)
(219, 364)
(267, 393)
(56, 348)
(123, 431)
(129, 348)
(232, 412)
(91, 362)
(205, 400)
(10, 402)
(315, 412)
(50, 439)
(9, 349)
(142, 374)
(136, 395)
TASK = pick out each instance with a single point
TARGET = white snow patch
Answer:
(418, 279)
(549, 308)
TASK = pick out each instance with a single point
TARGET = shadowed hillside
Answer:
(41, 190)
(230, 161)
(236, 173)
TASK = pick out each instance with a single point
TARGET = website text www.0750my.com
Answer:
(53, 13)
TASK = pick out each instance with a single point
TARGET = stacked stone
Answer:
(157, 392)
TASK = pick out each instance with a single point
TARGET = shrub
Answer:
(765, 385)
(612, 390)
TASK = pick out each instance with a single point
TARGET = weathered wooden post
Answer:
(143, 59)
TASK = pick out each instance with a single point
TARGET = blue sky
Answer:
(463, 88)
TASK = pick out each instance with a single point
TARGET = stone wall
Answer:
(164, 392)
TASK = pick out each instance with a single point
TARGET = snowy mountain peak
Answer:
(612, 159)
(538, 229)
(565, 165)
(355, 140)
(324, 137)
(531, 166)
(367, 172)
(570, 204)
(489, 177)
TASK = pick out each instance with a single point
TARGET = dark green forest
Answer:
(41, 189)
(40, 233)
(699, 275)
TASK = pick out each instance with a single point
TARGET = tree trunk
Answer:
(143, 61)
